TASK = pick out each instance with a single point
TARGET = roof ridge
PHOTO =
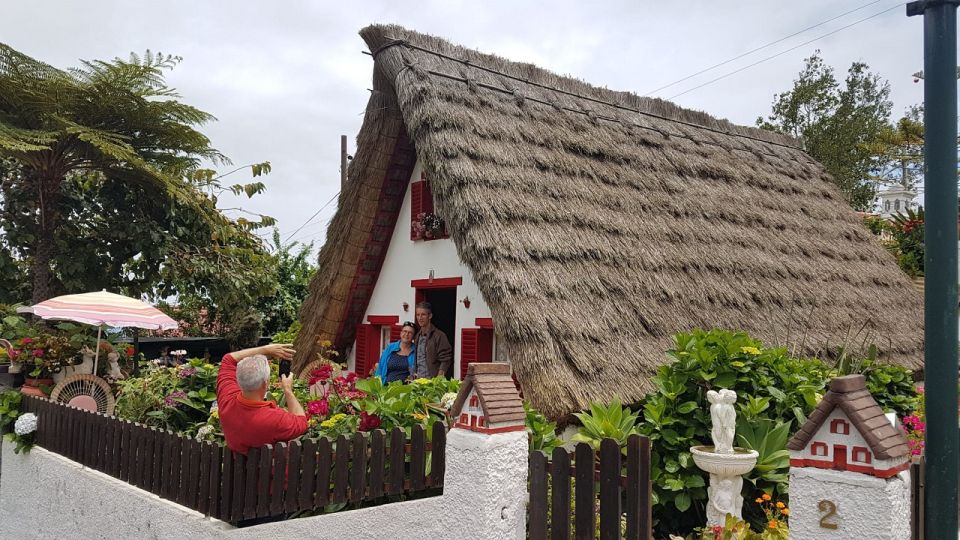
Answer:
(394, 41)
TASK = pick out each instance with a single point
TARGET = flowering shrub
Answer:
(915, 427)
(178, 398)
(908, 245)
(45, 353)
(182, 399)
(23, 433)
(775, 527)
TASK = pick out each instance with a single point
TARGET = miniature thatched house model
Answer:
(488, 401)
(849, 432)
(581, 228)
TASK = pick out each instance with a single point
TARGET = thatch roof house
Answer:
(585, 227)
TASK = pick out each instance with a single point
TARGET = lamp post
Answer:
(940, 263)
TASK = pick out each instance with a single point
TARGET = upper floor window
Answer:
(425, 224)
(840, 427)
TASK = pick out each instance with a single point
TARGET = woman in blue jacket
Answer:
(398, 361)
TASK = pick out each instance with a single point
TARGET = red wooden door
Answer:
(840, 457)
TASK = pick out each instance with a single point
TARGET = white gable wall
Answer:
(407, 260)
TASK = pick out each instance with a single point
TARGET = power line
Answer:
(725, 62)
(315, 214)
(771, 57)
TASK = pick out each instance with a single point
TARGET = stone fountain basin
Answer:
(740, 462)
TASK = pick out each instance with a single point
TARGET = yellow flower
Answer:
(208, 366)
(325, 343)
(333, 420)
(785, 511)
(780, 505)
(421, 380)
(759, 500)
(765, 497)
(215, 413)
(419, 416)
(312, 422)
(750, 350)
(773, 524)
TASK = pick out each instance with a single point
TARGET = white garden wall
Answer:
(44, 495)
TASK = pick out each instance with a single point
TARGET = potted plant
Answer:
(45, 355)
(428, 225)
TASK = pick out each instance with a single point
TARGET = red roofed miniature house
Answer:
(849, 432)
(488, 401)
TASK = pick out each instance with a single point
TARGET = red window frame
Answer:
(839, 426)
(818, 449)
(862, 455)
(369, 347)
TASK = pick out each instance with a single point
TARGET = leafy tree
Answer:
(103, 188)
(836, 124)
(281, 277)
(899, 151)
(292, 265)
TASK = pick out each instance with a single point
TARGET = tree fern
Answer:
(118, 118)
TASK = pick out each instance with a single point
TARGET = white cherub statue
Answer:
(724, 418)
(114, 359)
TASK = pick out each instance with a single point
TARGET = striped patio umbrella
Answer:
(102, 309)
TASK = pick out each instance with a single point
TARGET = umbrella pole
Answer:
(96, 357)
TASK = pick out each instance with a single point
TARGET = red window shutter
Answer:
(367, 351)
(468, 349)
(426, 198)
(395, 332)
(476, 345)
(416, 206)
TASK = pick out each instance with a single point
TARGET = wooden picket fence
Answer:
(268, 482)
(619, 486)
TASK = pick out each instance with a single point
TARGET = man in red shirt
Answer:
(249, 421)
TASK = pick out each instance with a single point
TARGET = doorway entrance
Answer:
(444, 302)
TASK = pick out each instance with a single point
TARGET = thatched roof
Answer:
(598, 223)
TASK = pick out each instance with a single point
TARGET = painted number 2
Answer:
(830, 508)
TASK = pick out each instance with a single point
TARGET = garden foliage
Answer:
(182, 399)
(776, 393)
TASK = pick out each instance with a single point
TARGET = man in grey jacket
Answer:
(434, 353)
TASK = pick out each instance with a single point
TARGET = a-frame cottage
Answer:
(583, 227)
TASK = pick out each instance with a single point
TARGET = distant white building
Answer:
(896, 200)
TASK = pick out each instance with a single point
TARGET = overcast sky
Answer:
(286, 79)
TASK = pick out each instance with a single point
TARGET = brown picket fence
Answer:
(268, 482)
(616, 486)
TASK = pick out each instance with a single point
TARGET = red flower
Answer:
(342, 385)
(368, 421)
(354, 394)
(318, 407)
(320, 374)
(351, 377)
(26, 341)
(130, 351)
(38, 353)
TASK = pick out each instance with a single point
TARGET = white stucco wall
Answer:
(407, 260)
(866, 506)
(44, 495)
